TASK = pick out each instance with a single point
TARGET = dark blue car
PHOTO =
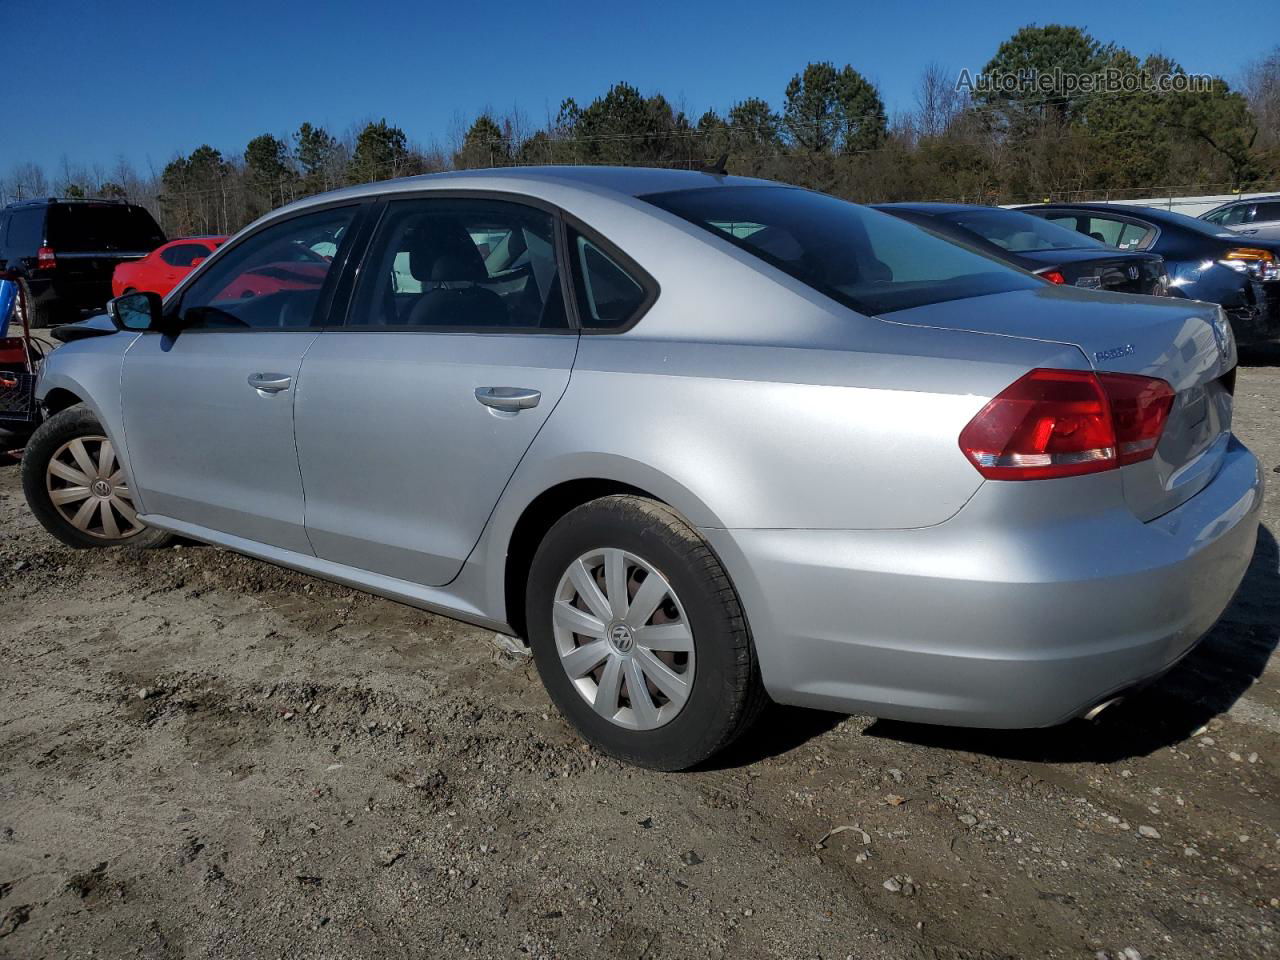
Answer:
(1203, 261)
(1058, 254)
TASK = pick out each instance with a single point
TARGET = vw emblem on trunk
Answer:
(1221, 335)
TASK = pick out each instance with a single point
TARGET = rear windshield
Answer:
(1020, 232)
(868, 260)
(108, 226)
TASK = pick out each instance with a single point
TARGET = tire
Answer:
(54, 494)
(39, 316)
(716, 693)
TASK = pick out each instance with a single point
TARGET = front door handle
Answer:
(269, 382)
(510, 399)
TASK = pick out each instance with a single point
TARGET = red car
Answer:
(161, 269)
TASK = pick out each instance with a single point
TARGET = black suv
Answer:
(64, 251)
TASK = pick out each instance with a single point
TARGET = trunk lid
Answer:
(1186, 343)
(1102, 270)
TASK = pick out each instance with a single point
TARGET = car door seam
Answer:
(293, 429)
(484, 527)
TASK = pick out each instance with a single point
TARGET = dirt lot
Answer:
(205, 756)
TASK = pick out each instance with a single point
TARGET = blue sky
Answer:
(97, 80)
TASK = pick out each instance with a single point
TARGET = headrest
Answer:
(436, 238)
(452, 269)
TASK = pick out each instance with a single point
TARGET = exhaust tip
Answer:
(1094, 712)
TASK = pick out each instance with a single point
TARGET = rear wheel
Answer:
(76, 487)
(639, 636)
(37, 316)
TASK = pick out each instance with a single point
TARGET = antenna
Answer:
(721, 166)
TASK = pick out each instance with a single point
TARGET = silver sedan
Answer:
(702, 440)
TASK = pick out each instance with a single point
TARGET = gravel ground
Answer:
(206, 756)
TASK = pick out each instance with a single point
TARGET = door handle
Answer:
(510, 399)
(269, 382)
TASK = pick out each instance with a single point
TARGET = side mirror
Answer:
(136, 311)
(196, 262)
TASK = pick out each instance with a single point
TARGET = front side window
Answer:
(272, 280)
(870, 261)
(442, 263)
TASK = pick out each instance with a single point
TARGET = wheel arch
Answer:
(526, 515)
(59, 399)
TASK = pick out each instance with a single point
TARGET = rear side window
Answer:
(1134, 236)
(83, 227)
(1019, 232)
(184, 254)
(26, 231)
(870, 261)
(609, 296)
(465, 264)
(1267, 212)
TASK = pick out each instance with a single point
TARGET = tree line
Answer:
(830, 131)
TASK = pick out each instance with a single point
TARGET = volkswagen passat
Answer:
(698, 438)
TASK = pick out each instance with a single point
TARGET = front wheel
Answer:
(639, 636)
(76, 487)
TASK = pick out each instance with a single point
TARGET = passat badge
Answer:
(1115, 353)
(1089, 283)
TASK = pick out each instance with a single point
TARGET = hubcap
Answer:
(88, 488)
(623, 639)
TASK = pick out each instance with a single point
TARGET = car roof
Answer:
(626, 181)
(51, 201)
(1239, 200)
(933, 207)
(1120, 209)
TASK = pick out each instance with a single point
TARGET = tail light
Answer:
(1054, 276)
(1259, 264)
(1063, 423)
(45, 259)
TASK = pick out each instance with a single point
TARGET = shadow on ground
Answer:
(1262, 355)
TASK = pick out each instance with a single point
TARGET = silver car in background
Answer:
(1258, 217)
(700, 439)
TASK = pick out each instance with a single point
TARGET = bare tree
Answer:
(938, 102)
(1261, 87)
(26, 180)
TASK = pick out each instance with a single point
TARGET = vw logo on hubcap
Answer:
(101, 489)
(621, 638)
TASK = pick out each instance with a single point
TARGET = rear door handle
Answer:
(269, 382)
(510, 399)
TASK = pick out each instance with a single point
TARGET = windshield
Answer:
(1019, 232)
(867, 260)
(78, 227)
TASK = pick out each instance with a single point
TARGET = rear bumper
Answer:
(70, 293)
(1001, 617)
(1257, 320)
